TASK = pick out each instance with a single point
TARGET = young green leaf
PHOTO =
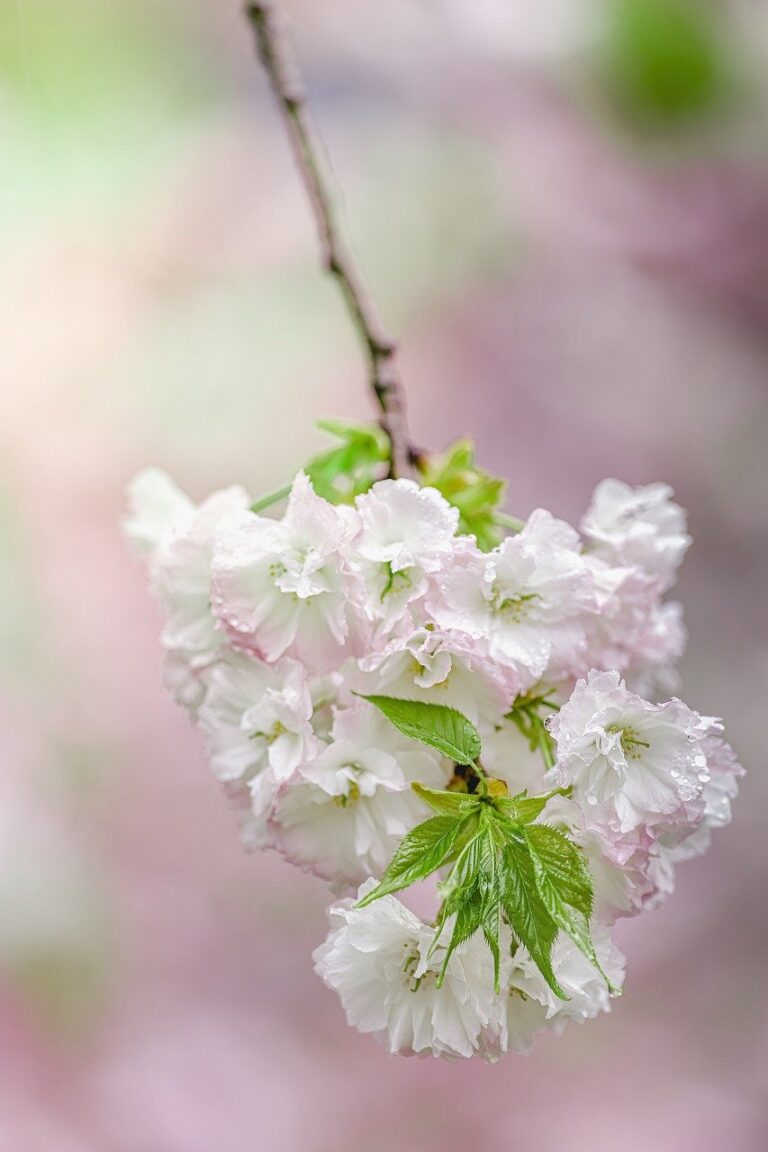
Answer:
(565, 886)
(422, 851)
(490, 880)
(461, 896)
(525, 809)
(526, 912)
(468, 910)
(349, 469)
(475, 493)
(560, 868)
(491, 923)
(527, 719)
(441, 801)
(442, 728)
(464, 872)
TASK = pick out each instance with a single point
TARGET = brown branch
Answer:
(276, 56)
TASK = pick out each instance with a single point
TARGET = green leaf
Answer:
(666, 62)
(422, 851)
(442, 728)
(452, 802)
(491, 923)
(463, 873)
(468, 910)
(526, 717)
(526, 911)
(524, 809)
(560, 868)
(490, 879)
(475, 493)
(350, 469)
(462, 897)
(565, 886)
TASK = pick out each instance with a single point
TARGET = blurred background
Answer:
(563, 211)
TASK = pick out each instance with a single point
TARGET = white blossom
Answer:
(406, 533)
(526, 1006)
(378, 962)
(638, 763)
(522, 603)
(439, 668)
(177, 538)
(345, 814)
(276, 628)
(283, 586)
(583, 983)
(156, 509)
(637, 527)
(508, 757)
(257, 716)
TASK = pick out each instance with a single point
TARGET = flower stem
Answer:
(511, 523)
(272, 498)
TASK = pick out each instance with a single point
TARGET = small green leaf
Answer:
(468, 910)
(475, 493)
(461, 896)
(525, 809)
(463, 874)
(453, 802)
(490, 923)
(527, 914)
(560, 867)
(350, 469)
(565, 886)
(442, 728)
(490, 879)
(422, 851)
(526, 716)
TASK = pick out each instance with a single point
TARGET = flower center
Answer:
(514, 609)
(631, 744)
(394, 582)
(269, 737)
(409, 967)
(351, 796)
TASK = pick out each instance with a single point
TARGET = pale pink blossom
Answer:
(257, 716)
(522, 603)
(177, 539)
(584, 984)
(637, 527)
(406, 532)
(634, 762)
(344, 815)
(379, 961)
(275, 628)
(721, 785)
(283, 586)
(620, 863)
(526, 1006)
(652, 668)
(440, 668)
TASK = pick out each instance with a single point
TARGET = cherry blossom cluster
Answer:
(556, 645)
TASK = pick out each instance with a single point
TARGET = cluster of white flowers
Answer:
(274, 630)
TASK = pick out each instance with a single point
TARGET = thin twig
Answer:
(275, 54)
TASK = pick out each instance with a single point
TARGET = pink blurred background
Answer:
(563, 209)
